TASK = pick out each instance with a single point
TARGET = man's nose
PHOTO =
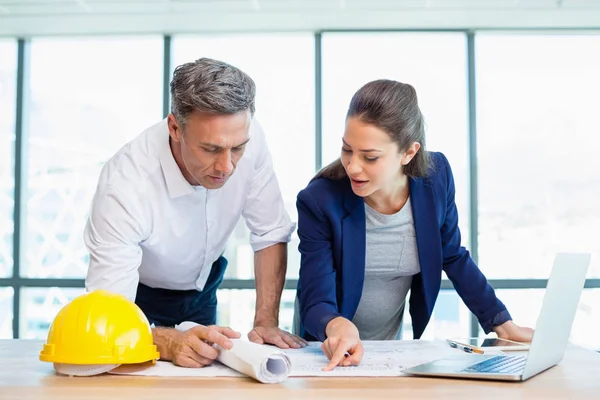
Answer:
(224, 163)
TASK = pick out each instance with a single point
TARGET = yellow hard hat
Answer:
(99, 328)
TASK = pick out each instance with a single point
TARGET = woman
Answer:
(379, 221)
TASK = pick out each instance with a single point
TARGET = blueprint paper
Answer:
(381, 358)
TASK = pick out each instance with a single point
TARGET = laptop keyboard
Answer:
(499, 365)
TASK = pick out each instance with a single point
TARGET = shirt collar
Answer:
(177, 185)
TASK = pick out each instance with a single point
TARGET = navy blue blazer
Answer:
(332, 231)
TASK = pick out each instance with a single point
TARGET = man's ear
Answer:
(410, 153)
(175, 130)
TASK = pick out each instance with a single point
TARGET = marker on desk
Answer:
(466, 349)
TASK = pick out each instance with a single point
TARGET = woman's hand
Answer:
(511, 331)
(342, 346)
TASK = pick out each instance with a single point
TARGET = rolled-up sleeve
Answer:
(264, 211)
(112, 235)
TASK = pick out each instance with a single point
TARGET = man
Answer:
(167, 202)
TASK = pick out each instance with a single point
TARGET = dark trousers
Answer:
(165, 307)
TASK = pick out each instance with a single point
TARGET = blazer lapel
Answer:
(354, 252)
(427, 231)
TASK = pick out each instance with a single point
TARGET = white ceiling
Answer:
(135, 7)
(51, 17)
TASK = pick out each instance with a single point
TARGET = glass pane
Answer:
(236, 309)
(538, 146)
(39, 306)
(524, 306)
(282, 67)
(434, 63)
(88, 97)
(6, 312)
(451, 318)
(8, 81)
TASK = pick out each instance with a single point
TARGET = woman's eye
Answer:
(346, 150)
(371, 159)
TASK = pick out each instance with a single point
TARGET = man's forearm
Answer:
(270, 265)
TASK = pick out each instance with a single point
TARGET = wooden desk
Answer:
(24, 377)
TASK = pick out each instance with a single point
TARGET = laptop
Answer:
(550, 339)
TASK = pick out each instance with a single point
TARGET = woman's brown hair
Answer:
(393, 107)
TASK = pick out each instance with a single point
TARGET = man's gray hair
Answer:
(210, 86)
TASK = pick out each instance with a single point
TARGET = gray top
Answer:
(391, 261)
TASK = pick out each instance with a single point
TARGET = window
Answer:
(282, 67)
(8, 81)
(450, 318)
(537, 106)
(537, 150)
(88, 97)
(587, 317)
(6, 312)
(433, 63)
(236, 309)
(38, 308)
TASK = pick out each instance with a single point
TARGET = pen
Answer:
(466, 349)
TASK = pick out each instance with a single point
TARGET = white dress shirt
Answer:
(148, 224)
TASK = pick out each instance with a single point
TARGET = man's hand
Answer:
(342, 346)
(269, 271)
(267, 334)
(193, 348)
(511, 331)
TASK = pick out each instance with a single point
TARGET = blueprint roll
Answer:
(266, 364)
